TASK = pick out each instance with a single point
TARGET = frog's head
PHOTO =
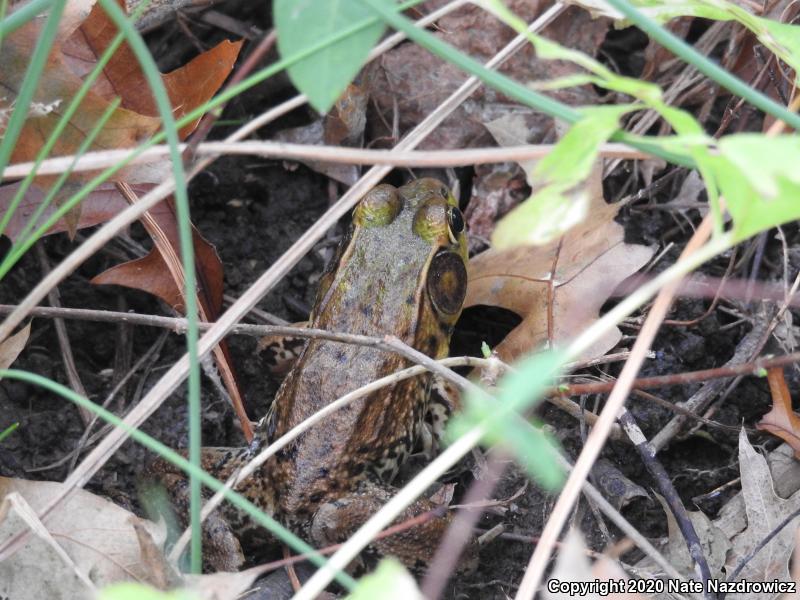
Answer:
(401, 269)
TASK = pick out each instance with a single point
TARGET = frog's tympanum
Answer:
(399, 271)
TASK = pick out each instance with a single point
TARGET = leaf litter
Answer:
(558, 288)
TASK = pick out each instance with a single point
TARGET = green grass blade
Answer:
(21, 16)
(8, 431)
(161, 97)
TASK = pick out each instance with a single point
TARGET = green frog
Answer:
(401, 271)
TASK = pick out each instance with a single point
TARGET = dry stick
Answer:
(733, 368)
(178, 325)
(63, 342)
(175, 375)
(598, 435)
(648, 455)
(92, 161)
(459, 533)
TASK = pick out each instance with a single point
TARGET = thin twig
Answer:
(751, 555)
(93, 161)
(648, 455)
(459, 533)
(63, 341)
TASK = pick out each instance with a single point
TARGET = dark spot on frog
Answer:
(366, 310)
(432, 343)
(355, 469)
(316, 497)
(287, 454)
(340, 356)
(410, 300)
(363, 449)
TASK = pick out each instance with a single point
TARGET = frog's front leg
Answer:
(335, 521)
(222, 549)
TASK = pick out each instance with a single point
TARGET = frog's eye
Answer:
(447, 282)
(455, 223)
(444, 192)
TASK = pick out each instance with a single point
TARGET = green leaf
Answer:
(563, 195)
(390, 581)
(324, 75)
(760, 180)
(519, 390)
(138, 591)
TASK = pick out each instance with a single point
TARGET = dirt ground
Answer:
(252, 210)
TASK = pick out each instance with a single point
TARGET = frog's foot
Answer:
(221, 547)
(445, 399)
(280, 352)
(337, 520)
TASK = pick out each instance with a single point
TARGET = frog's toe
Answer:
(222, 549)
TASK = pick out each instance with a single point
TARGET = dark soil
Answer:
(252, 210)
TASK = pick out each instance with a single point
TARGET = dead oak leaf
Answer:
(13, 345)
(765, 510)
(84, 538)
(781, 421)
(559, 288)
(188, 86)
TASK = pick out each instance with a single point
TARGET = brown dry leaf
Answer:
(152, 274)
(343, 125)
(12, 346)
(559, 288)
(765, 511)
(79, 44)
(98, 207)
(781, 421)
(409, 82)
(188, 86)
(161, 273)
(84, 538)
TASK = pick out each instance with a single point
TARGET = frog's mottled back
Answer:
(400, 271)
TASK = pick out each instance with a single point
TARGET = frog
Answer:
(400, 270)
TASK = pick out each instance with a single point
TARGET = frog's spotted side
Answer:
(400, 271)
